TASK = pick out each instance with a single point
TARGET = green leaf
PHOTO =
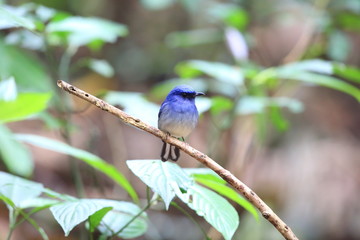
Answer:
(10, 18)
(230, 14)
(319, 79)
(314, 65)
(220, 105)
(8, 91)
(25, 105)
(95, 219)
(15, 155)
(19, 190)
(135, 104)
(348, 20)
(339, 46)
(216, 210)
(161, 177)
(91, 159)
(347, 72)
(205, 173)
(101, 67)
(219, 71)
(193, 37)
(228, 192)
(121, 215)
(252, 104)
(71, 213)
(31, 76)
(81, 31)
(157, 5)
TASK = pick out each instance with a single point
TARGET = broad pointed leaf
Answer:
(120, 216)
(25, 105)
(216, 210)
(161, 177)
(19, 190)
(71, 213)
(15, 155)
(91, 159)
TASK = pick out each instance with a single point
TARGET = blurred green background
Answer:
(281, 110)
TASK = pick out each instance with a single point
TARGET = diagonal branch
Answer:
(265, 210)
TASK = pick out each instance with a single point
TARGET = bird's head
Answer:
(184, 92)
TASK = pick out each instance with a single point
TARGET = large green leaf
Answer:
(25, 105)
(85, 30)
(215, 209)
(29, 73)
(161, 177)
(121, 214)
(252, 104)
(227, 192)
(91, 159)
(17, 189)
(220, 71)
(347, 72)
(15, 155)
(323, 80)
(71, 213)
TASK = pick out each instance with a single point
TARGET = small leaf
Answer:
(19, 190)
(237, 44)
(161, 177)
(121, 215)
(229, 193)
(102, 67)
(339, 46)
(156, 5)
(215, 209)
(96, 218)
(15, 155)
(25, 105)
(8, 91)
(71, 213)
(193, 37)
(91, 159)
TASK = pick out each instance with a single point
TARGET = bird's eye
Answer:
(184, 94)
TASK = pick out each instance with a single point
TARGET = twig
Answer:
(265, 210)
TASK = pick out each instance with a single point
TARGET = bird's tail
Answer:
(173, 153)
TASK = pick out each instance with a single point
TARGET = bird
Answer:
(177, 117)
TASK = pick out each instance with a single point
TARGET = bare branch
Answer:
(250, 195)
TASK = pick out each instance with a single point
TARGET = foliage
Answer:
(236, 87)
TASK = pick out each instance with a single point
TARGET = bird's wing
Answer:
(162, 108)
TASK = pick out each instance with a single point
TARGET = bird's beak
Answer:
(200, 94)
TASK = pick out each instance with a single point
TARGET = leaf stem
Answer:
(137, 215)
(191, 218)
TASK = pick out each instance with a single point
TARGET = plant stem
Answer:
(191, 218)
(136, 216)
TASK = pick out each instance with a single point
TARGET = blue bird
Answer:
(178, 116)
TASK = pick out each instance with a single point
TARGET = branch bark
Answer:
(250, 195)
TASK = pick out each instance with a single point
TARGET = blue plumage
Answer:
(178, 116)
